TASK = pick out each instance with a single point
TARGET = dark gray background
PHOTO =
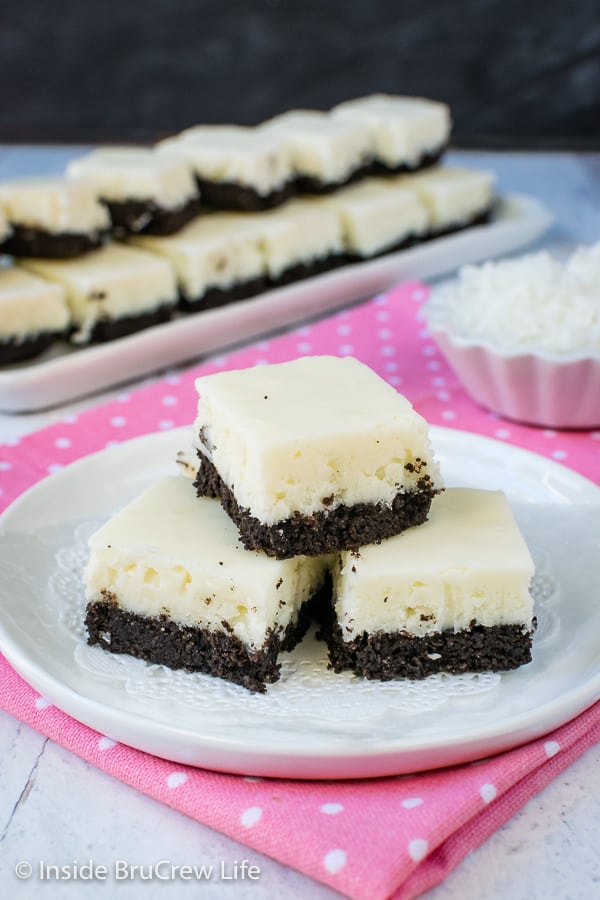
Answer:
(516, 73)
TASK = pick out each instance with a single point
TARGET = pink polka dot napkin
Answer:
(390, 837)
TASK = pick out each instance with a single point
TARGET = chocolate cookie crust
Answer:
(306, 184)
(228, 195)
(160, 640)
(25, 241)
(147, 217)
(12, 350)
(214, 296)
(384, 656)
(426, 161)
(309, 269)
(110, 329)
(481, 218)
(325, 531)
(404, 244)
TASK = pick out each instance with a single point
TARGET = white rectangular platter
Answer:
(65, 373)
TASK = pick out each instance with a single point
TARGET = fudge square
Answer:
(449, 596)
(52, 217)
(33, 313)
(168, 581)
(113, 291)
(313, 456)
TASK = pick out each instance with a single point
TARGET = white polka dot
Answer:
(382, 315)
(424, 333)
(252, 778)
(559, 454)
(169, 400)
(251, 816)
(123, 398)
(42, 703)
(433, 365)
(418, 294)
(381, 300)
(551, 748)
(488, 792)
(62, 443)
(411, 802)
(444, 396)
(263, 345)
(334, 860)
(387, 350)
(54, 467)
(304, 331)
(418, 849)
(70, 420)
(106, 743)
(344, 330)
(219, 361)
(118, 421)
(5, 466)
(595, 435)
(261, 362)
(395, 380)
(345, 349)
(428, 350)
(438, 381)
(304, 347)
(385, 334)
(172, 379)
(502, 433)
(549, 433)
(165, 424)
(176, 779)
(448, 414)
(110, 444)
(332, 809)
(390, 366)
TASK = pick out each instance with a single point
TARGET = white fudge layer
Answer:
(187, 462)
(233, 154)
(286, 437)
(468, 562)
(5, 228)
(109, 283)
(403, 129)
(376, 215)
(320, 146)
(55, 205)
(29, 305)
(172, 553)
(215, 250)
(136, 173)
(298, 232)
(452, 196)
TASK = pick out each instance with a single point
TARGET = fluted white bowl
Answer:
(530, 386)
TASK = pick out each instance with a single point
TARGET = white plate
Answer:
(312, 723)
(64, 373)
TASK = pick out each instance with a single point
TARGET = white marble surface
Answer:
(58, 809)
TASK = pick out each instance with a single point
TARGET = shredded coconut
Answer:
(533, 302)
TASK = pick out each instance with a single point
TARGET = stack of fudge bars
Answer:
(131, 236)
(316, 498)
